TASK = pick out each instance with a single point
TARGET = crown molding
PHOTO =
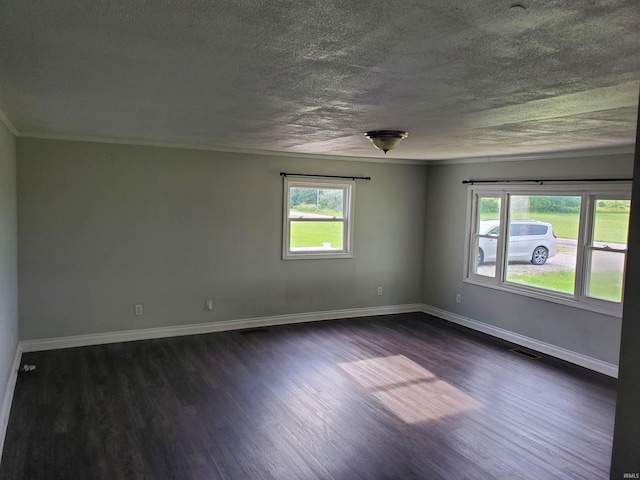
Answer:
(222, 149)
(625, 149)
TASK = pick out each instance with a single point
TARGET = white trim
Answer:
(257, 322)
(348, 188)
(604, 308)
(623, 149)
(218, 148)
(499, 282)
(7, 123)
(8, 397)
(552, 350)
(151, 333)
(195, 329)
(238, 324)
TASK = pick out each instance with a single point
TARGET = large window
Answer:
(317, 219)
(567, 245)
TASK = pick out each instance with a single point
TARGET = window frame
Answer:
(348, 188)
(588, 245)
(589, 193)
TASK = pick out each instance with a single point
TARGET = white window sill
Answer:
(612, 310)
(315, 253)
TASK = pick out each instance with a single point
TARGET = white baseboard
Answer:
(238, 324)
(8, 397)
(552, 350)
(150, 333)
(195, 329)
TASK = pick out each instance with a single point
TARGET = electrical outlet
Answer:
(209, 304)
(379, 291)
(139, 310)
(458, 298)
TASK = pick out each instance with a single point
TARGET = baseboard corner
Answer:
(8, 397)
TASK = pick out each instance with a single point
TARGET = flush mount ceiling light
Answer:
(386, 140)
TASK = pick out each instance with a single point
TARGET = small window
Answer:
(518, 230)
(317, 219)
(538, 230)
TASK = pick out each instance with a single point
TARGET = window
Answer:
(567, 246)
(317, 219)
(606, 248)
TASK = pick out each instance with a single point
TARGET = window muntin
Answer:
(317, 219)
(585, 241)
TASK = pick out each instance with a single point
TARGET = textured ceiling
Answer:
(466, 78)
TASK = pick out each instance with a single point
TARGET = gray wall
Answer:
(105, 226)
(8, 257)
(581, 331)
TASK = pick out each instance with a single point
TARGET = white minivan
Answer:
(528, 240)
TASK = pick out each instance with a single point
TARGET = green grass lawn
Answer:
(610, 226)
(562, 281)
(314, 234)
(604, 285)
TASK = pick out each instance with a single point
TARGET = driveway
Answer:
(564, 259)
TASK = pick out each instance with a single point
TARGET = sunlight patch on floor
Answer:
(409, 391)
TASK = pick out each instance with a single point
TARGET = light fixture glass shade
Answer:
(386, 140)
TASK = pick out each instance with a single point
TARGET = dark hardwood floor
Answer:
(394, 397)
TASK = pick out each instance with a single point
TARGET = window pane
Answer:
(307, 202)
(489, 208)
(484, 246)
(605, 269)
(542, 242)
(611, 223)
(606, 275)
(485, 240)
(310, 235)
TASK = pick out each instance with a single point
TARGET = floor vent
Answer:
(251, 331)
(524, 353)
